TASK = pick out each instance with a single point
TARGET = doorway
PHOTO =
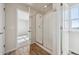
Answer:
(23, 37)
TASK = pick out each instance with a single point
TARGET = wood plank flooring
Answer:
(36, 50)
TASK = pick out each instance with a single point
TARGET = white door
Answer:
(39, 28)
(65, 29)
(2, 18)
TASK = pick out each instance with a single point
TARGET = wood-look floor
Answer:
(36, 50)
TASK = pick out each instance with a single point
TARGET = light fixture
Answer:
(45, 6)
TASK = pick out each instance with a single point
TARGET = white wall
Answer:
(33, 28)
(45, 34)
(74, 41)
(11, 24)
(10, 27)
(49, 31)
(39, 32)
(52, 32)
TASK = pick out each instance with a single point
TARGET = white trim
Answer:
(44, 48)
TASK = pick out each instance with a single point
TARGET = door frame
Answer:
(60, 39)
(64, 46)
(4, 21)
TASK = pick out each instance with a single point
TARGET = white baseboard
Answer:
(44, 48)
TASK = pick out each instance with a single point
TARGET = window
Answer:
(66, 19)
(23, 22)
(75, 24)
(74, 17)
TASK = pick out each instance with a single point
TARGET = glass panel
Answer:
(74, 12)
(66, 25)
(66, 15)
(75, 23)
(66, 19)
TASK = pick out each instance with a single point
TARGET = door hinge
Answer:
(4, 28)
(61, 4)
(61, 52)
(61, 27)
(4, 45)
(4, 9)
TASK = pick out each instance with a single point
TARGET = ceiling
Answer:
(41, 7)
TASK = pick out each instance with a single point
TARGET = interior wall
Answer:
(10, 27)
(49, 31)
(33, 28)
(74, 41)
(52, 31)
(39, 28)
(11, 24)
(44, 31)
